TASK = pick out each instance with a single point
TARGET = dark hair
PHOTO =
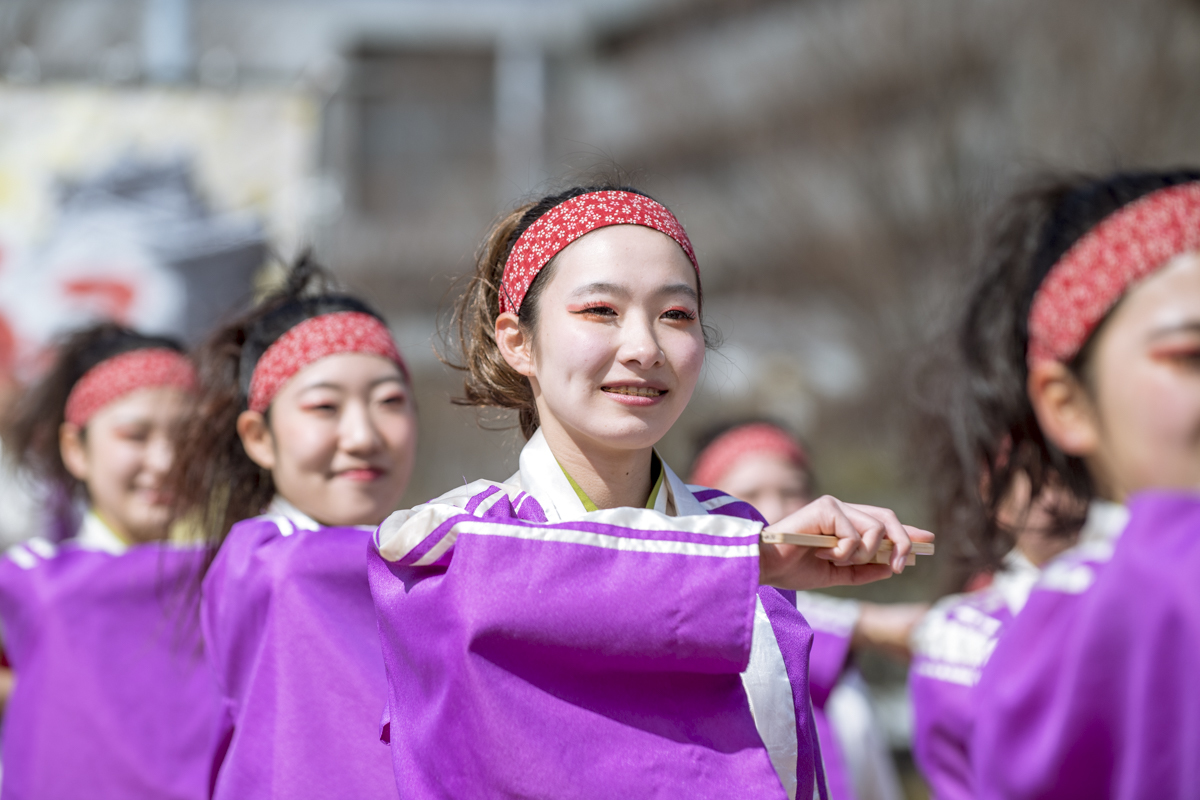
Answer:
(31, 427)
(489, 380)
(214, 482)
(985, 435)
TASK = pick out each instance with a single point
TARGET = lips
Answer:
(634, 391)
(362, 475)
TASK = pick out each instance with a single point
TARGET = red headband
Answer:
(116, 377)
(1088, 281)
(315, 338)
(571, 219)
(724, 453)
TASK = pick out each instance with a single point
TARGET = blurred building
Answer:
(831, 159)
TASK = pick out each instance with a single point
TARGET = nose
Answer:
(159, 453)
(639, 343)
(356, 430)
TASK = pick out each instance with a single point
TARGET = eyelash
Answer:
(601, 310)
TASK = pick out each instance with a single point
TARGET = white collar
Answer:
(94, 534)
(1016, 580)
(542, 477)
(1105, 521)
(300, 521)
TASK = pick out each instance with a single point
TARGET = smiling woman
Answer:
(112, 698)
(302, 442)
(592, 627)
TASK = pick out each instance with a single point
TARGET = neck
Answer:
(611, 478)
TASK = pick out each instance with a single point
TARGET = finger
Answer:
(871, 529)
(850, 541)
(895, 531)
(858, 574)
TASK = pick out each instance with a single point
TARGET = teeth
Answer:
(636, 391)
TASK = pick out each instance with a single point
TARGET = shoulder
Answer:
(717, 502)
(31, 554)
(956, 638)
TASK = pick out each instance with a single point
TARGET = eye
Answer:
(134, 434)
(321, 407)
(594, 310)
(679, 314)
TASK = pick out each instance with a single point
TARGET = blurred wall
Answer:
(831, 159)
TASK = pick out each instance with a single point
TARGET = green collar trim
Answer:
(656, 471)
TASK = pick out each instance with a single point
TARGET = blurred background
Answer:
(831, 159)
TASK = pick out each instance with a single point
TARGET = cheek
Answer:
(303, 445)
(685, 351)
(399, 432)
(116, 462)
(1155, 410)
(574, 348)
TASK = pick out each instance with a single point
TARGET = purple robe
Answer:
(857, 760)
(113, 698)
(537, 650)
(1093, 691)
(950, 648)
(290, 631)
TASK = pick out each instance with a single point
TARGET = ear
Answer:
(515, 345)
(73, 450)
(256, 438)
(1064, 409)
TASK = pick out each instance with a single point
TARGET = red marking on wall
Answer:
(110, 298)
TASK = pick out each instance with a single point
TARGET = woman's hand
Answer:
(860, 530)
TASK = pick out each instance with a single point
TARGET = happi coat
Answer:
(538, 650)
(113, 698)
(290, 631)
(1092, 693)
(950, 647)
(858, 765)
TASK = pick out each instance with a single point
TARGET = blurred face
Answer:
(769, 482)
(618, 347)
(1147, 384)
(341, 440)
(1140, 426)
(123, 455)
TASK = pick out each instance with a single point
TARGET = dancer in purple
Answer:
(592, 627)
(1081, 347)
(112, 696)
(956, 638)
(766, 466)
(304, 441)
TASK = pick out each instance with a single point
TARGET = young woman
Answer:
(112, 695)
(954, 641)
(764, 465)
(303, 442)
(1082, 346)
(592, 627)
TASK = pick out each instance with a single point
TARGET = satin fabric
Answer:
(113, 698)
(537, 650)
(1092, 693)
(291, 635)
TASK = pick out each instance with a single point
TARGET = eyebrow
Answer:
(1192, 326)
(602, 287)
(337, 387)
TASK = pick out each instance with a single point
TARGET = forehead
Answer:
(1169, 297)
(146, 404)
(626, 254)
(345, 369)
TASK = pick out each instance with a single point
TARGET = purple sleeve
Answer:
(1092, 692)
(633, 575)
(593, 658)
